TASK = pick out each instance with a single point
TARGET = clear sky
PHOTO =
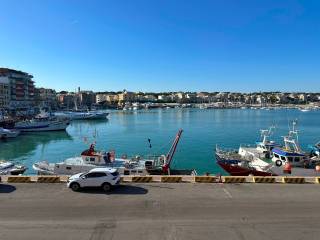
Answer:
(165, 45)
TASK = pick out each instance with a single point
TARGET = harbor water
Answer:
(127, 132)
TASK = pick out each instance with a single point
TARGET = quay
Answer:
(160, 211)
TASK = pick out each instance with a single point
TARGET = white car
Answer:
(97, 177)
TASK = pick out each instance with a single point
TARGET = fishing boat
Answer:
(92, 158)
(263, 148)
(43, 122)
(289, 160)
(9, 168)
(315, 150)
(8, 133)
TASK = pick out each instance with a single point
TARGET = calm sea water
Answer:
(128, 132)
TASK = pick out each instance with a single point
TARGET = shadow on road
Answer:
(5, 188)
(122, 189)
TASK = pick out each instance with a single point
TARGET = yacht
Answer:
(43, 122)
(9, 168)
(8, 133)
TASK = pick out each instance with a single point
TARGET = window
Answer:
(100, 174)
(68, 168)
(290, 159)
(95, 174)
(92, 159)
(283, 158)
(276, 155)
(297, 159)
(115, 174)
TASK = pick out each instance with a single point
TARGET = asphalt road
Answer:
(161, 211)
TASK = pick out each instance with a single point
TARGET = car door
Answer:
(89, 180)
(100, 178)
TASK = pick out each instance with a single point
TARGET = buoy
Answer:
(287, 168)
(317, 168)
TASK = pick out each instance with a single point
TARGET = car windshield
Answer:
(115, 173)
(83, 174)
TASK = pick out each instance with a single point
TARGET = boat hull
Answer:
(53, 126)
(236, 170)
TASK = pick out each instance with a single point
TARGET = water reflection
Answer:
(25, 144)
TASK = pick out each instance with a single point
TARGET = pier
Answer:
(160, 211)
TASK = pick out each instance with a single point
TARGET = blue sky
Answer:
(166, 45)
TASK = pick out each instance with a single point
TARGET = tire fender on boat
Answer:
(278, 163)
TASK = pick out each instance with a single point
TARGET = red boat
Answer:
(235, 165)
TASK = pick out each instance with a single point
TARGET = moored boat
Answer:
(88, 115)
(43, 122)
(92, 158)
(9, 168)
(8, 133)
(289, 157)
(262, 149)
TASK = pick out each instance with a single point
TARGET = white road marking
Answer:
(227, 193)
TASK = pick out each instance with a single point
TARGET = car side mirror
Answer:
(83, 177)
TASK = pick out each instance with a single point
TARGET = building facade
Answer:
(21, 87)
(46, 97)
(4, 92)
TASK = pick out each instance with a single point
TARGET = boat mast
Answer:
(170, 154)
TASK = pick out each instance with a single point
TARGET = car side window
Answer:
(100, 174)
(91, 175)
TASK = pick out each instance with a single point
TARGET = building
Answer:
(21, 87)
(86, 98)
(4, 92)
(66, 100)
(46, 97)
(101, 97)
(126, 96)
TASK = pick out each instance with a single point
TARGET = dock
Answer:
(160, 211)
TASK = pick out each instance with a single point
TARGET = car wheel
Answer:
(75, 187)
(106, 187)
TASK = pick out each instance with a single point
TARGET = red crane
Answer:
(170, 154)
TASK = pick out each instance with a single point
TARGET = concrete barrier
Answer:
(264, 179)
(171, 179)
(174, 179)
(19, 179)
(297, 180)
(233, 179)
(141, 179)
(48, 179)
(205, 179)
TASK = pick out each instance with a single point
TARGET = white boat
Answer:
(43, 122)
(9, 168)
(262, 149)
(90, 115)
(8, 133)
(91, 158)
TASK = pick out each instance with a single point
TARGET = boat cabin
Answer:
(90, 156)
(281, 157)
(266, 147)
